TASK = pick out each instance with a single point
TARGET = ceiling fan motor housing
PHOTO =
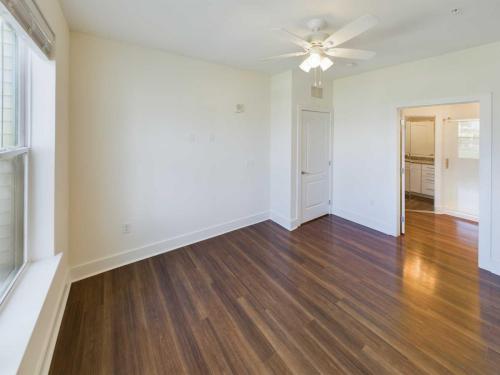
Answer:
(317, 37)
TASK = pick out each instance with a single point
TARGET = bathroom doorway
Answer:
(440, 155)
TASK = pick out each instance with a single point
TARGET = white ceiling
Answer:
(238, 32)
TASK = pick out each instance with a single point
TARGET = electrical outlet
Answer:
(126, 228)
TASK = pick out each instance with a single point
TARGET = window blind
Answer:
(30, 18)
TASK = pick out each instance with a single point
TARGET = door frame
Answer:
(298, 169)
(402, 173)
(485, 254)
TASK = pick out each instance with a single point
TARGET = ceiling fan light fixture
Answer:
(326, 63)
(314, 59)
(306, 65)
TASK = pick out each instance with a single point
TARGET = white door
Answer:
(422, 138)
(315, 160)
(460, 182)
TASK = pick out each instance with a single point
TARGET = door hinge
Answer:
(330, 163)
(329, 202)
(403, 171)
(403, 219)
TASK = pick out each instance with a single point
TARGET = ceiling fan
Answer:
(319, 47)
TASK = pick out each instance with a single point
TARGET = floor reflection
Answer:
(419, 273)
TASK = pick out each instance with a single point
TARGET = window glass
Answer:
(13, 158)
(8, 87)
(11, 219)
(468, 139)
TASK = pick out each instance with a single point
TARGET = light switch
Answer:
(250, 163)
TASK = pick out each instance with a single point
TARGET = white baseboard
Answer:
(460, 215)
(490, 265)
(289, 224)
(385, 228)
(97, 266)
(56, 325)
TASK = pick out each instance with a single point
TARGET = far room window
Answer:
(13, 156)
(468, 139)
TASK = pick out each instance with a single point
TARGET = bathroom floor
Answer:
(419, 203)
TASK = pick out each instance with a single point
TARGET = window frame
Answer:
(23, 135)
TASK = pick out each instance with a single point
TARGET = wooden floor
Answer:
(419, 203)
(331, 297)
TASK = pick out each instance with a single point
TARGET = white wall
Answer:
(52, 11)
(281, 150)
(444, 200)
(366, 136)
(156, 144)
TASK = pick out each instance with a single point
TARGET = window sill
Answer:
(21, 309)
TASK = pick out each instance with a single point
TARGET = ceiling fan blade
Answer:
(294, 38)
(286, 55)
(351, 30)
(348, 53)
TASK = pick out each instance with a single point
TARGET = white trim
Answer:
(491, 265)
(386, 228)
(16, 275)
(460, 215)
(288, 224)
(485, 252)
(298, 171)
(13, 152)
(22, 321)
(44, 365)
(402, 172)
(461, 119)
(123, 258)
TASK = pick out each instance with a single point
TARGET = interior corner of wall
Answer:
(282, 220)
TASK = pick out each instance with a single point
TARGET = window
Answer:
(13, 157)
(468, 139)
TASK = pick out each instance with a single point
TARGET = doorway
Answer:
(314, 164)
(441, 156)
(419, 159)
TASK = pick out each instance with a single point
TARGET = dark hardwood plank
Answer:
(330, 297)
